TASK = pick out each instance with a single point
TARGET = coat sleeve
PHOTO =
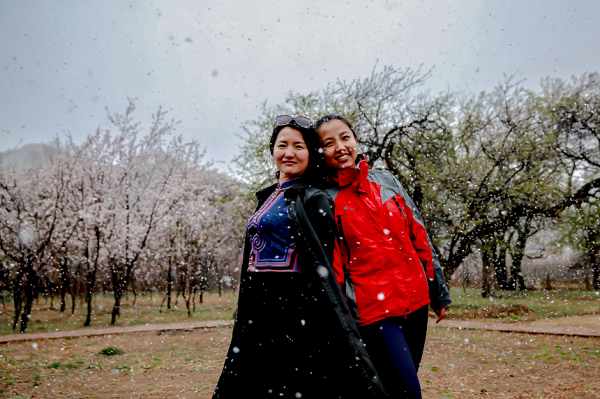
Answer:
(338, 256)
(438, 291)
(313, 215)
(319, 210)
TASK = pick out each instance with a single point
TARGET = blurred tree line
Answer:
(122, 211)
(487, 171)
(127, 212)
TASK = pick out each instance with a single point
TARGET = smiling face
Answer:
(290, 153)
(339, 144)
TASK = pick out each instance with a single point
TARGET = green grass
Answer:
(146, 311)
(111, 351)
(69, 365)
(514, 305)
(523, 305)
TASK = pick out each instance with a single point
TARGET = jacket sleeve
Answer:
(438, 291)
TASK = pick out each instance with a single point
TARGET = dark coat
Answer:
(294, 334)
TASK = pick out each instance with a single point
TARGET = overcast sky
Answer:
(212, 63)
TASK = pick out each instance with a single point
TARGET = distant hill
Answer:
(29, 155)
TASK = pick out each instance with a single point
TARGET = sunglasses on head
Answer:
(284, 120)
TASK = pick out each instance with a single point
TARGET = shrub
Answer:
(111, 350)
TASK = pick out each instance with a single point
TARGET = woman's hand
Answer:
(441, 313)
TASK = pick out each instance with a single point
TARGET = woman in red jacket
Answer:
(384, 260)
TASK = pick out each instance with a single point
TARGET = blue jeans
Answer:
(395, 346)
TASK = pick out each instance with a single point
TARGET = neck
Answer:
(283, 178)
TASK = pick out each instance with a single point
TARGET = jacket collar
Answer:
(346, 177)
(298, 183)
(262, 195)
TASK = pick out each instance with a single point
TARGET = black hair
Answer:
(330, 117)
(315, 173)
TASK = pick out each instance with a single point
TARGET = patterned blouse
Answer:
(270, 233)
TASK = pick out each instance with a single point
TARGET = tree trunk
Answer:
(91, 277)
(118, 286)
(17, 315)
(18, 297)
(459, 251)
(516, 275)
(133, 291)
(169, 286)
(592, 253)
(27, 309)
(116, 309)
(73, 297)
(89, 292)
(487, 272)
(63, 298)
(445, 268)
(417, 195)
(500, 268)
(194, 299)
(466, 277)
(177, 297)
(30, 288)
(186, 299)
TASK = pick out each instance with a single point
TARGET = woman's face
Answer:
(290, 153)
(339, 144)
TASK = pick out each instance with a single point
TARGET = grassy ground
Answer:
(525, 306)
(472, 364)
(456, 364)
(169, 365)
(512, 306)
(146, 311)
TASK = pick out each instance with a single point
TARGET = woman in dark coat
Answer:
(294, 336)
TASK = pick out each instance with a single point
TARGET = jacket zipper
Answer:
(401, 211)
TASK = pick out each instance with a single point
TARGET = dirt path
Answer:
(587, 321)
(584, 326)
(114, 330)
(176, 362)
(457, 363)
(572, 327)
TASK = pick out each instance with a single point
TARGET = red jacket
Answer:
(383, 259)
